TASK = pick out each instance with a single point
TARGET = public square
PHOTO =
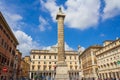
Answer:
(60, 40)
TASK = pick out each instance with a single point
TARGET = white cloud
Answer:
(43, 24)
(26, 42)
(15, 17)
(15, 22)
(51, 6)
(67, 47)
(80, 14)
(48, 47)
(112, 8)
(102, 35)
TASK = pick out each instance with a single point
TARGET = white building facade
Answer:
(43, 64)
(108, 60)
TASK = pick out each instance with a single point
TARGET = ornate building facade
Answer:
(25, 67)
(43, 63)
(18, 64)
(8, 44)
(108, 60)
(88, 63)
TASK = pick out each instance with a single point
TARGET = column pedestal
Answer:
(62, 71)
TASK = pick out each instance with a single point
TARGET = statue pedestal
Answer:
(62, 71)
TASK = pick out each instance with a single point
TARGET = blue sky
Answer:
(87, 22)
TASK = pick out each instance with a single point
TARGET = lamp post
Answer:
(15, 67)
(30, 69)
(21, 71)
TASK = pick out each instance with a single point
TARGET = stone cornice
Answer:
(8, 28)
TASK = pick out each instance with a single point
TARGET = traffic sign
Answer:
(4, 69)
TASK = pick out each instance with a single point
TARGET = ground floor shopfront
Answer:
(50, 75)
(89, 76)
(111, 74)
(108, 75)
(6, 74)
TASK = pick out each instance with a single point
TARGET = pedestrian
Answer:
(4, 79)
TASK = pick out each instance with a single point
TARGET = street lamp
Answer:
(15, 66)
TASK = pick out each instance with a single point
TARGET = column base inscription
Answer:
(62, 72)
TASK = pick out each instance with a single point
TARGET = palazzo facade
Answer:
(8, 44)
(88, 63)
(43, 63)
(108, 60)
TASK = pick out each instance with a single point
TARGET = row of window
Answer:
(6, 46)
(108, 54)
(5, 61)
(44, 57)
(108, 59)
(6, 34)
(51, 62)
(110, 65)
(50, 67)
(54, 57)
(109, 47)
(44, 62)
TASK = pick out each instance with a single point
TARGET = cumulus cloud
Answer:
(15, 22)
(112, 8)
(48, 47)
(67, 47)
(43, 24)
(26, 42)
(78, 12)
(13, 19)
(51, 6)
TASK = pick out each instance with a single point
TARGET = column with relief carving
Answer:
(61, 69)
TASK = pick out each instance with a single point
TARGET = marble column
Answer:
(60, 18)
(61, 69)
